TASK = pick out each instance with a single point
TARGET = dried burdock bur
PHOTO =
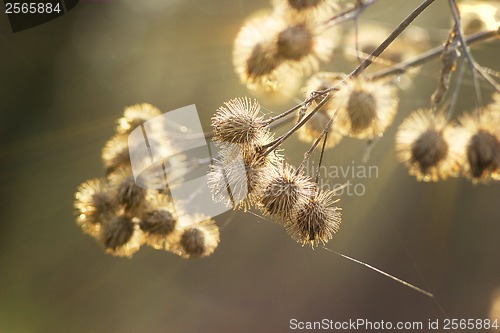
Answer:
(127, 193)
(158, 222)
(364, 109)
(197, 240)
(270, 52)
(285, 192)
(317, 221)
(255, 54)
(115, 153)
(481, 147)
(236, 175)
(305, 9)
(448, 65)
(428, 145)
(94, 203)
(135, 116)
(238, 121)
(121, 236)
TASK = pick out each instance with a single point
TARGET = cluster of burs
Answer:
(272, 52)
(123, 216)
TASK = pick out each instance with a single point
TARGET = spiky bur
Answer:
(158, 222)
(135, 116)
(94, 204)
(365, 109)
(238, 121)
(317, 221)
(480, 150)
(197, 240)
(318, 122)
(127, 193)
(236, 175)
(121, 235)
(476, 16)
(272, 52)
(285, 192)
(305, 9)
(115, 153)
(427, 145)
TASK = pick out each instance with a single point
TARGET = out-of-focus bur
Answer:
(428, 145)
(480, 148)
(94, 203)
(122, 215)
(197, 240)
(364, 109)
(478, 16)
(272, 51)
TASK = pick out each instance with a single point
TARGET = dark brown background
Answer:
(64, 83)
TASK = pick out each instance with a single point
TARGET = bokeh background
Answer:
(64, 84)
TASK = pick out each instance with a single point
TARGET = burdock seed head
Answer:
(121, 236)
(115, 153)
(317, 221)
(158, 222)
(94, 204)
(127, 193)
(427, 144)
(286, 192)
(134, 116)
(198, 240)
(238, 121)
(480, 152)
(364, 108)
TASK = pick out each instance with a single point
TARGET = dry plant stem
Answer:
(474, 66)
(465, 49)
(456, 89)
(427, 56)
(349, 13)
(322, 153)
(308, 153)
(420, 290)
(399, 29)
(273, 145)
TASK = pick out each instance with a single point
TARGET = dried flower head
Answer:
(255, 54)
(127, 193)
(237, 173)
(305, 9)
(94, 204)
(198, 240)
(238, 121)
(115, 153)
(426, 143)
(121, 236)
(364, 108)
(313, 128)
(285, 192)
(317, 221)
(478, 16)
(302, 45)
(135, 116)
(481, 147)
(158, 222)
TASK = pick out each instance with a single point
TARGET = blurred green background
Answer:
(64, 84)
